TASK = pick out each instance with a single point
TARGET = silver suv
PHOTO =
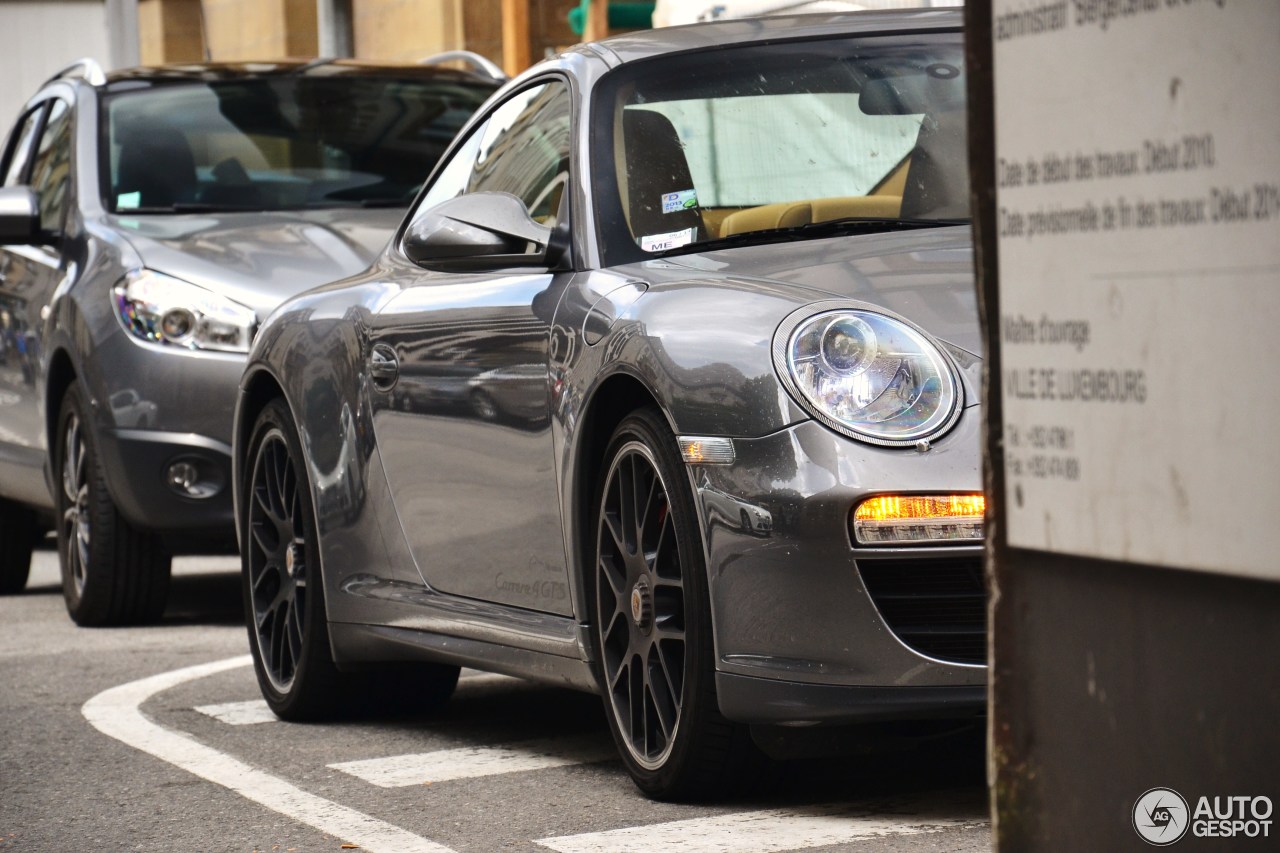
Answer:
(149, 221)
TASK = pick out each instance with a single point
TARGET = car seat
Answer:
(655, 166)
(159, 166)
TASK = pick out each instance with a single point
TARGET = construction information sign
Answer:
(1138, 216)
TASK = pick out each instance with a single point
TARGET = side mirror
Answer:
(484, 230)
(19, 216)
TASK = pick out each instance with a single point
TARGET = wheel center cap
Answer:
(293, 560)
(642, 604)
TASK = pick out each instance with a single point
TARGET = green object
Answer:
(622, 16)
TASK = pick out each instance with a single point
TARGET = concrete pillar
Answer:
(122, 33)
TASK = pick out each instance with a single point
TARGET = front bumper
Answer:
(799, 637)
(156, 406)
(771, 701)
(136, 462)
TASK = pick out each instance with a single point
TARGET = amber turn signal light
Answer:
(915, 519)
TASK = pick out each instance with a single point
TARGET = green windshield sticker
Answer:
(126, 201)
(683, 200)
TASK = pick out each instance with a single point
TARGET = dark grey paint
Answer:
(426, 508)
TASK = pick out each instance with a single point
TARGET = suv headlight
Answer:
(867, 375)
(161, 309)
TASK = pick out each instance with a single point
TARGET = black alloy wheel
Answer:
(284, 596)
(112, 573)
(283, 599)
(652, 620)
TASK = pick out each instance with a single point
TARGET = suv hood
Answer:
(259, 259)
(924, 275)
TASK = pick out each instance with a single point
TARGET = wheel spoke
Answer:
(70, 460)
(262, 538)
(672, 666)
(660, 699)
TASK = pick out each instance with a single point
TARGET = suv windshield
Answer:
(281, 142)
(770, 142)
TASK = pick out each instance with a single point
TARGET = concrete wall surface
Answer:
(38, 37)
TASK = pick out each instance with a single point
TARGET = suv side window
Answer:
(19, 154)
(51, 169)
(522, 148)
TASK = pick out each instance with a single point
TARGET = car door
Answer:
(474, 483)
(39, 156)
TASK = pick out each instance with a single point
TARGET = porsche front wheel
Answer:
(652, 620)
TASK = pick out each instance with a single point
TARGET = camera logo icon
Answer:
(1161, 816)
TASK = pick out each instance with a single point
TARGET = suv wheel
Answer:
(18, 534)
(112, 574)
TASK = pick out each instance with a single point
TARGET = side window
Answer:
(51, 169)
(19, 153)
(522, 149)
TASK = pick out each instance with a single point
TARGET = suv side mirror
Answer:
(19, 216)
(484, 230)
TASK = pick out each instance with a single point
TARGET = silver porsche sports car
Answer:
(714, 287)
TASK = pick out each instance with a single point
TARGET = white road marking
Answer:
(255, 711)
(240, 713)
(399, 771)
(764, 831)
(117, 713)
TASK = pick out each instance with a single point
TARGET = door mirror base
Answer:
(19, 216)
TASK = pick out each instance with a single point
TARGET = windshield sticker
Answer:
(662, 242)
(675, 202)
(128, 201)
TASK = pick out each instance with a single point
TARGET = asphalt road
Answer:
(155, 739)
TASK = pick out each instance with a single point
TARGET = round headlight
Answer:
(177, 323)
(166, 311)
(867, 375)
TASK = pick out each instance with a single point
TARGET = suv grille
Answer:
(938, 607)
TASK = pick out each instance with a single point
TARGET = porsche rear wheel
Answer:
(284, 596)
(652, 622)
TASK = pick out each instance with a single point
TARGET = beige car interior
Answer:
(648, 145)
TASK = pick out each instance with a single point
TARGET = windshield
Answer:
(744, 144)
(279, 143)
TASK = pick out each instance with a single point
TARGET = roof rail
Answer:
(84, 69)
(475, 60)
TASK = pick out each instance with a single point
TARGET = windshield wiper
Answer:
(358, 202)
(189, 207)
(826, 228)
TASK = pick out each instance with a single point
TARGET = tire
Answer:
(17, 540)
(112, 573)
(283, 593)
(652, 617)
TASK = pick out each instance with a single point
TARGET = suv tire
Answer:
(112, 573)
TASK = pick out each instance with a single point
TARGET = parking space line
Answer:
(117, 713)
(767, 831)
(240, 713)
(398, 771)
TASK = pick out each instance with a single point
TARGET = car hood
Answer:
(260, 259)
(925, 276)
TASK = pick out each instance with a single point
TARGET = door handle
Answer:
(384, 367)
